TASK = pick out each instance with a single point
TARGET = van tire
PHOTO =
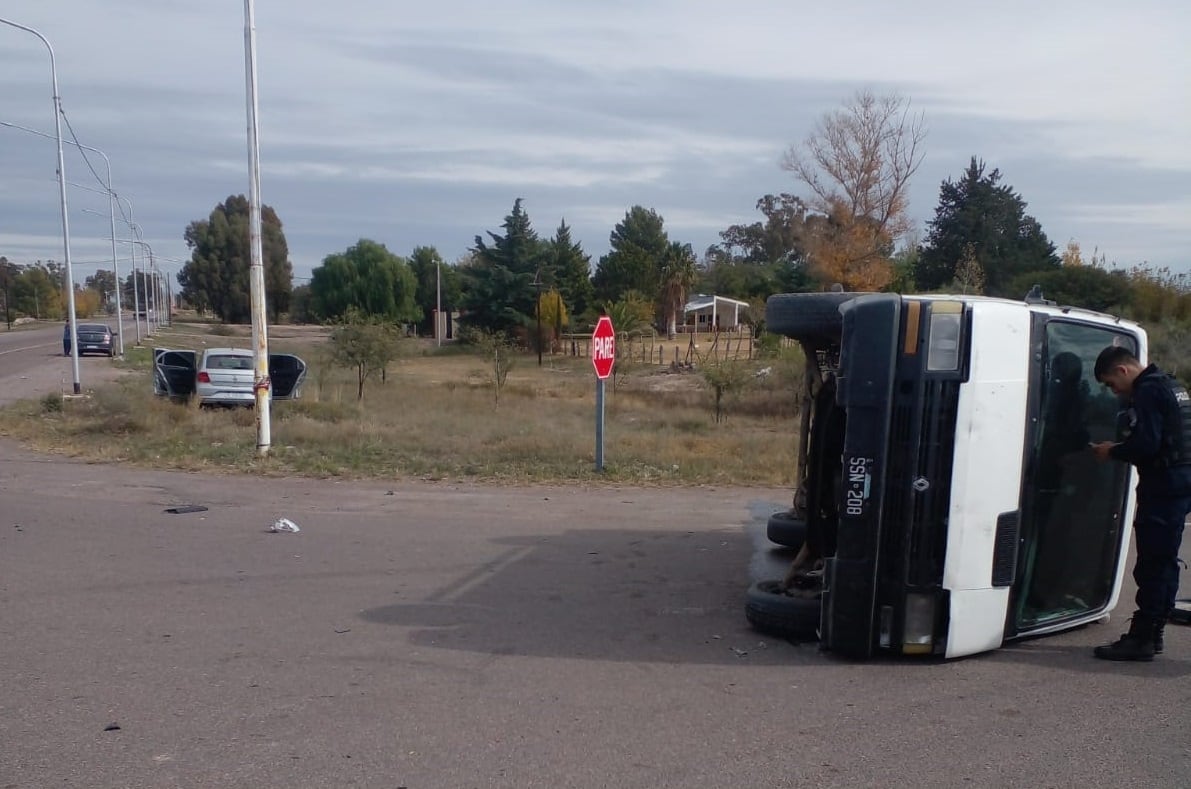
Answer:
(806, 316)
(786, 529)
(769, 610)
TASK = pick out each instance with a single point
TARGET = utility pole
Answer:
(256, 270)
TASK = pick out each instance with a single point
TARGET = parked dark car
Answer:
(93, 338)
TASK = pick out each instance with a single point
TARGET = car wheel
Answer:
(786, 529)
(806, 316)
(769, 609)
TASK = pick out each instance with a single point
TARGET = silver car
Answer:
(223, 376)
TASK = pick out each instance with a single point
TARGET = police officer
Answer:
(1158, 443)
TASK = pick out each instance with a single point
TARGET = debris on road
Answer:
(112, 727)
(182, 509)
(284, 524)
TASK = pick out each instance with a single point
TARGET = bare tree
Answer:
(857, 163)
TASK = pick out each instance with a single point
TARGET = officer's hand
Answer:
(1100, 450)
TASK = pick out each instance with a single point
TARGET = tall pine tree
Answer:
(572, 271)
(979, 219)
(639, 246)
(499, 294)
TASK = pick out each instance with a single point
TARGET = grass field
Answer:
(436, 416)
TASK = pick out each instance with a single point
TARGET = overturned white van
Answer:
(944, 480)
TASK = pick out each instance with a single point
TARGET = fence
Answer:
(687, 349)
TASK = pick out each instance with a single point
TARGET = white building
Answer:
(709, 313)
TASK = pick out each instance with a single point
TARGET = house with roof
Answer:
(712, 313)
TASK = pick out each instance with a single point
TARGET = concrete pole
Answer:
(256, 270)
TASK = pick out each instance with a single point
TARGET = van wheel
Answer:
(769, 609)
(806, 316)
(786, 529)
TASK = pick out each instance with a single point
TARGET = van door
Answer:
(286, 373)
(1073, 507)
(174, 372)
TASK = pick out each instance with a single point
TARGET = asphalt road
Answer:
(32, 364)
(453, 635)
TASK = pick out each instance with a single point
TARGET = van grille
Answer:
(918, 492)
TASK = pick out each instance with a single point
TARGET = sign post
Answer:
(603, 356)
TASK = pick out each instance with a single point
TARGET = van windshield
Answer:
(1071, 504)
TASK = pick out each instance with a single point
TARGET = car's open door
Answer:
(286, 372)
(174, 372)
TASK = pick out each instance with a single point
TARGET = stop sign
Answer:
(603, 347)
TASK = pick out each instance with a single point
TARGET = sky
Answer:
(419, 124)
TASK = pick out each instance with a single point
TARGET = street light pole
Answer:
(74, 334)
(438, 321)
(136, 308)
(150, 302)
(111, 217)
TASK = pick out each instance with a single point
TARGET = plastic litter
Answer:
(284, 524)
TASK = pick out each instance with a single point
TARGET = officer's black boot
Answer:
(1159, 642)
(1137, 644)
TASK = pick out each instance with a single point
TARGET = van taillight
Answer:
(204, 378)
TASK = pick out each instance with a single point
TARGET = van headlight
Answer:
(943, 337)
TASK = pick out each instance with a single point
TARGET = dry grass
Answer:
(435, 417)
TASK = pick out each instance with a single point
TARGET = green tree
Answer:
(572, 270)
(857, 164)
(631, 316)
(363, 343)
(756, 260)
(905, 268)
(428, 266)
(143, 283)
(216, 277)
(726, 378)
(677, 275)
(8, 276)
(1090, 287)
(498, 281)
(299, 305)
(991, 217)
(366, 277)
(782, 236)
(638, 247)
(103, 282)
(37, 291)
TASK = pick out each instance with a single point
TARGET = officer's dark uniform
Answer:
(1159, 445)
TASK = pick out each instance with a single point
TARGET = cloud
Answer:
(421, 124)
